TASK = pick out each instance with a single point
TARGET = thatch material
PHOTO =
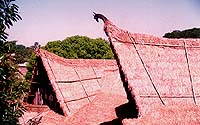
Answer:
(75, 81)
(153, 67)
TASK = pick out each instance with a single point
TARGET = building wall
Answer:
(41, 92)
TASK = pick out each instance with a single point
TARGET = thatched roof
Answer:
(156, 71)
(77, 81)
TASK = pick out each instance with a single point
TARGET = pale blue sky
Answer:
(48, 20)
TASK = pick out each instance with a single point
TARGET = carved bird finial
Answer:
(99, 16)
(36, 47)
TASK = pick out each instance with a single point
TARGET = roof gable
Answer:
(156, 71)
(75, 81)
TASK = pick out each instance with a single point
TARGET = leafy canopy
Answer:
(12, 90)
(8, 14)
(81, 47)
(30, 66)
(189, 33)
(23, 53)
(12, 85)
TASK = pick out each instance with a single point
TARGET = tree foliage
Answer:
(23, 53)
(81, 47)
(12, 90)
(8, 14)
(30, 66)
(189, 33)
(12, 85)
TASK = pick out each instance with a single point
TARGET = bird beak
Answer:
(94, 13)
(96, 18)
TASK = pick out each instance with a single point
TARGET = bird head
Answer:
(99, 16)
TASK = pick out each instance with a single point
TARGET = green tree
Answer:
(12, 86)
(12, 90)
(8, 14)
(23, 53)
(30, 66)
(81, 47)
(188, 33)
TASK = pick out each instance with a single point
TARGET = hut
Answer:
(65, 85)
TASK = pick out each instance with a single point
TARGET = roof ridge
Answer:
(64, 61)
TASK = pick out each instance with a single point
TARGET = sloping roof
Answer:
(77, 81)
(157, 71)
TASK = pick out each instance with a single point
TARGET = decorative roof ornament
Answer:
(36, 47)
(112, 31)
(99, 16)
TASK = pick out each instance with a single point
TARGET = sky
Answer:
(50, 20)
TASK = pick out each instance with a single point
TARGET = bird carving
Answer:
(112, 31)
(104, 19)
(99, 16)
